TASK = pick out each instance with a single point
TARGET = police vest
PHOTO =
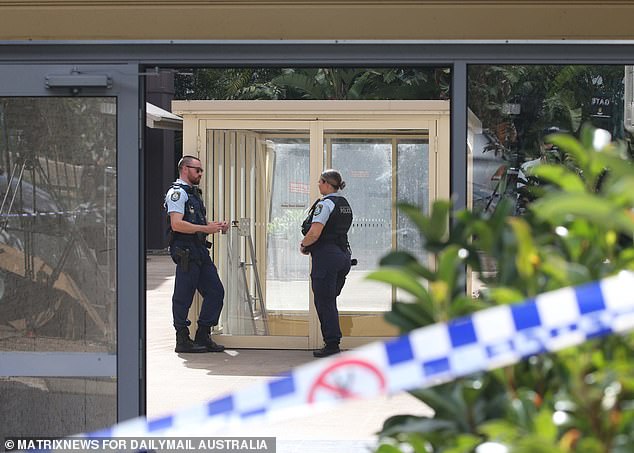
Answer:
(195, 212)
(338, 224)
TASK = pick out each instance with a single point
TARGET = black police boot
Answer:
(184, 343)
(203, 338)
(329, 349)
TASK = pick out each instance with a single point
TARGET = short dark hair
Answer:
(186, 160)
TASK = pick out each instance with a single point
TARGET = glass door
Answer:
(381, 167)
(60, 137)
(259, 180)
(263, 177)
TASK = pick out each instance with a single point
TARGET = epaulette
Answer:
(189, 189)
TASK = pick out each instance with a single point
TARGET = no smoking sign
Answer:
(347, 379)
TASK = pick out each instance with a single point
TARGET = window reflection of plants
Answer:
(313, 83)
(548, 95)
(287, 223)
(579, 230)
(518, 104)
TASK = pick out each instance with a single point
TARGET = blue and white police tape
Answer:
(427, 356)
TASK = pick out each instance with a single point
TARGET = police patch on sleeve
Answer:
(175, 195)
(318, 209)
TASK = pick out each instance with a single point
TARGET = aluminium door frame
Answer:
(21, 80)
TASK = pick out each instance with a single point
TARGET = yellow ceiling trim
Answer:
(316, 20)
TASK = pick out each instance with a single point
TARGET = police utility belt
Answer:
(195, 239)
(183, 256)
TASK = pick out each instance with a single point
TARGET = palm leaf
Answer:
(301, 82)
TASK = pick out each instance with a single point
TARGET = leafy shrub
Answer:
(578, 229)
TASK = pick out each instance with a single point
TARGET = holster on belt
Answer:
(183, 258)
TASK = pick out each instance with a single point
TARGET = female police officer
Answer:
(327, 242)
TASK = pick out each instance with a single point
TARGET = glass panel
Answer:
(366, 166)
(58, 247)
(365, 161)
(313, 83)
(34, 407)
(275, 198)
(58, 224)
(412, 187)
(276, 195)
(514, 107)
(287, 270)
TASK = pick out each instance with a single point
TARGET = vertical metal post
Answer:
(130, 247)
(458, 146)
(458, 164)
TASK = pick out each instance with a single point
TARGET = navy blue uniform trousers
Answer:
(331, 265)
(201, 275)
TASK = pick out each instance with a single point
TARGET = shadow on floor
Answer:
(248, 362)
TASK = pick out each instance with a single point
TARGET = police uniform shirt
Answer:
(324, 208)
(176, 198)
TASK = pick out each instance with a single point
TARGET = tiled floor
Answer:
(176, 381)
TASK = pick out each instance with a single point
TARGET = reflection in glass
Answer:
(43, 407)
(57, 254)
(519, 105)
(516, 107)
(261, 183)
(287, 270)
(366, 166)
(303, 83)
(412, 188)
(57, 225)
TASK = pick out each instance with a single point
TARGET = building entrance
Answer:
(63, 324)
(262, 163)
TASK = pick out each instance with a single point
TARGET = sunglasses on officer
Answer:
(198, 169)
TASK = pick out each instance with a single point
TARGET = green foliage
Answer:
(579, 229)
(313, 83)
(360, 83)
(226, 83)
(549, 95)
(286, 223)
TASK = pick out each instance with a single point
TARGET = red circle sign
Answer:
(341, 380)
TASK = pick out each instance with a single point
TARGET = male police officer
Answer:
(188, 229)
